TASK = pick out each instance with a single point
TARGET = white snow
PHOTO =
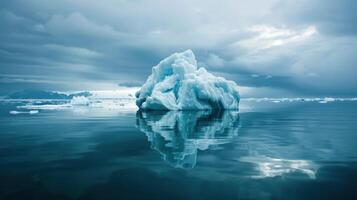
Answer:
(80, 101)
(177, 83)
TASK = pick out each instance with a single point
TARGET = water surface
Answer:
(301, 150)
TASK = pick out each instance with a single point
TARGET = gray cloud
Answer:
(299, 46)
(330, 16)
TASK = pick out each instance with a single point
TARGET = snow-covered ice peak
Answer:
(177, 83)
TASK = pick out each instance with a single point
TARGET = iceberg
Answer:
(80, 101)
(177, 83)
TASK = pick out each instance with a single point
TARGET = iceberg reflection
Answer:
(178, 135)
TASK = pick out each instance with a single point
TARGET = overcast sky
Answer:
(283, 47)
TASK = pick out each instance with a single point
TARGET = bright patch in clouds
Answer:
(265, 37)
(289, 45)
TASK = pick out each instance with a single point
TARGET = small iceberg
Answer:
(80, 101)
(31, 112)
(177, 83)
(327, 100)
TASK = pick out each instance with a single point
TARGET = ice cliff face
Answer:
(176, 83)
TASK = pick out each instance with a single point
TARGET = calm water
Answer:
(301, 150)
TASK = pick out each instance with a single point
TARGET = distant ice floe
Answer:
(327, 99)
(123, 100)
(299, 99)
(46, 106)
(31, 112)
(177, 83)
(80, 104)
(272, 167)
(178, 135)
(123, 93)
(80, 101)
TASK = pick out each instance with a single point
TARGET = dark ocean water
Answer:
(303, 150)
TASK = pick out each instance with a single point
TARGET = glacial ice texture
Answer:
(177, 83)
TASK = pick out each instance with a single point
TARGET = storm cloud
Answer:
(301, 47)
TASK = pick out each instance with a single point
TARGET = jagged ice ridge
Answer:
(177, 83)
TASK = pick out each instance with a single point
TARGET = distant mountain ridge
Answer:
(40, 94)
